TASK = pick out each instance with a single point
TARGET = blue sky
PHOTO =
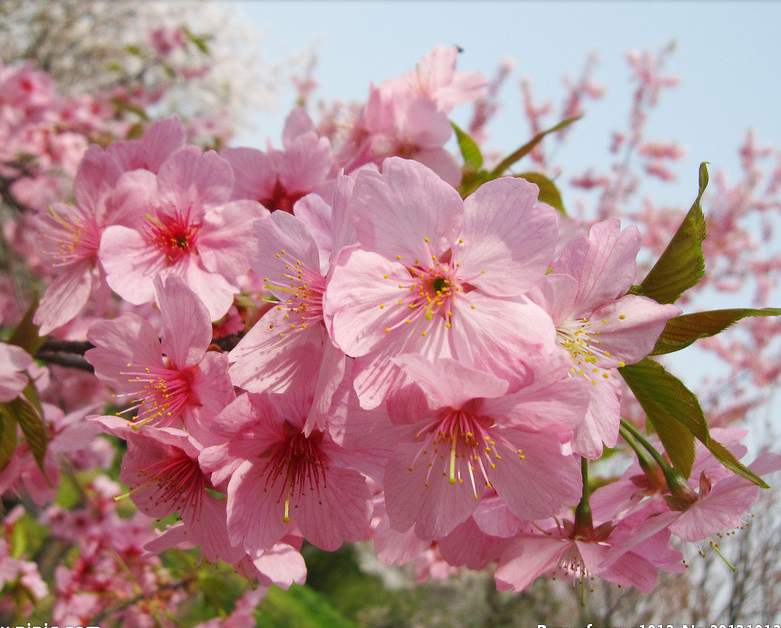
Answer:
(727, 59)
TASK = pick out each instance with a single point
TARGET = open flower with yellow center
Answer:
(466, 435)
(598, 324)
(186, 225)
(289, 345)
(173, 381)
(439, 276)
(69, 242)
(281, 481)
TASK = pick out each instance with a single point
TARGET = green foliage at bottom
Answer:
(299, 606)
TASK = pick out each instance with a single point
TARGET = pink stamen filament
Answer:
(180, 482)
(160, 392)
(83, 243)
(301, 463)
(306, 288)
(173, 234)
(468, 437)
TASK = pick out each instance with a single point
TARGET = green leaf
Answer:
(7, 437)
(32, 424)
(677, 417)
(473, 179)
(198, 40)
(470, 151)
(135, 132)
(528, 147)
(549, 193)
(726, 457)
(26, 333)
(682, 264)
(32, 395)
(299, 606)
(123, 107)
(682, 331)
(671, 408)
(18, 541)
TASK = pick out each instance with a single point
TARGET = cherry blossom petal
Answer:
(360, 301)
(65, 297)
(339, 511)
(496, 335)
(527, 558)
(449, 383)
(533, 478)
(255, 173)
(603, 263)
(630, 327)
(271, 357)
(397, 210)
(508, 240)
(420, 496)
(192, 179)
(187, 328)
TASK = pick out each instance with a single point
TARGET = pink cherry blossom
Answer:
(70, 241)
(407, 116)
(431, 275)
(159, 141)
(435, 76)
(280, 476)
(190, 384)
(278, 179)
(721, 506)
(161, 468)
(598, 323)
(466, 435)
(402, 123)
(290, 345)
(278, 351)
(564, 553)
(186, 225)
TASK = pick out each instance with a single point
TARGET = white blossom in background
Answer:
(96, 45)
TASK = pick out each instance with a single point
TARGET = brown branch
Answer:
(226, 343)
(68, 360)
(55, 345)
(70, 353)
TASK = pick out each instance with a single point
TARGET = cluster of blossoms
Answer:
(44, 132)
(327, 343)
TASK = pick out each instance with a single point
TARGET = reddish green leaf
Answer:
(7, 437)
(26, 333)
(682, 264)
(549, 193)
(672, 409)
(677, 417)
(528, 147)
(725, 457)
(32, 424)
(682, 331)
